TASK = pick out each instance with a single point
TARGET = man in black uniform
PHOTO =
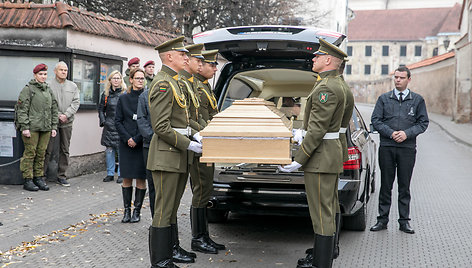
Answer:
(399, 116)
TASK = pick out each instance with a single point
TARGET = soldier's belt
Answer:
(342, 130)
(331, 136)
(184, 131)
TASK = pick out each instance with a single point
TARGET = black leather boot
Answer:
(323, 251)
(213, 243)
(306, 262)
(41, 183)
(138, 203)
(200, 239)
(160, 247)
(179, 254)
(29, 185)
(127, 194)
(336, 236)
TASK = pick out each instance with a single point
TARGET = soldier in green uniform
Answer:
(149, 72)
(308, 260)
(208, 105)
(201, 240)
(168, 151)
(320, 153)
(132, 64)
(36, 118)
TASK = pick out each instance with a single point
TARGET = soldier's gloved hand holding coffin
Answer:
(195, 147)
(291, 167)
(298, 135)
(197, 137)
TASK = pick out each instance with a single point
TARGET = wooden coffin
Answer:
(249, 131)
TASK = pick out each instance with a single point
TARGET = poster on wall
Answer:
(7, 133)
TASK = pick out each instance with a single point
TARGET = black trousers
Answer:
(397, 161)
(152, 191)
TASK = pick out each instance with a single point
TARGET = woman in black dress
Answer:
(131, 147)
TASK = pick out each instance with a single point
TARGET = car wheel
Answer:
(217, 215)
(356, 222)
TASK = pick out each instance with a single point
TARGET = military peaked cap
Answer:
(176, 44)
(327, 48)
(210, 56)
(195, 50)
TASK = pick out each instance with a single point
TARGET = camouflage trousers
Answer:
(32, 161)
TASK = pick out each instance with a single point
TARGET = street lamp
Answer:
(446, 43)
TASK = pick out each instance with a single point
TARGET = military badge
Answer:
(323, 97)
(163, 86)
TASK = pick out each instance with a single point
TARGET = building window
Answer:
(435, 51)
(367, 69)
(384, 69)
(417, 51)
(85, 75)
(348, 69)
(105, 69)
(19, 71)
(349, 50)
(368, 51)
(402, 51)
(384, 50)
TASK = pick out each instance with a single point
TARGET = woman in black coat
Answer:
(106, 113)
(131, 146)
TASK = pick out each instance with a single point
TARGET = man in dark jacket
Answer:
(399, 116)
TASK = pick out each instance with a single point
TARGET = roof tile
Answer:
(399, 24)
(431, 61)
(60, 15)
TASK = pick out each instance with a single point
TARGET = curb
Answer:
(459, 140)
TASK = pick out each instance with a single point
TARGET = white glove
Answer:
(195, 147)
(197, 137)
(289, 168)
(298, 135)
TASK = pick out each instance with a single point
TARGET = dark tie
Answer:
(401, 96)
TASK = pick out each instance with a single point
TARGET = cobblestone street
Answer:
(80, 226)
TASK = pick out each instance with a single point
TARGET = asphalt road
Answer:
(80, 226)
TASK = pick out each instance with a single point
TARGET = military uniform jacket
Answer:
(37, 108)
(324, 109)
(208, 103)
(348, 108)
(168, 109)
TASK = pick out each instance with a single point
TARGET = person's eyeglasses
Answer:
(139, 78)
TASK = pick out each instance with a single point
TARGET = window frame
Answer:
(385, 50)
(67, 55)
(382, 69)
(368, 51)
(418, 50)
(348, 69)
(401, 50)
(367, 67)
(349, 51)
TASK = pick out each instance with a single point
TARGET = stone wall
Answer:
(463, 92)
(436, 83)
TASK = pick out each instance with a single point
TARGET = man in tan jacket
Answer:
(68, 102)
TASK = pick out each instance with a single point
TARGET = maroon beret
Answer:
(149, 62)
(39, 68)
(132, 61)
